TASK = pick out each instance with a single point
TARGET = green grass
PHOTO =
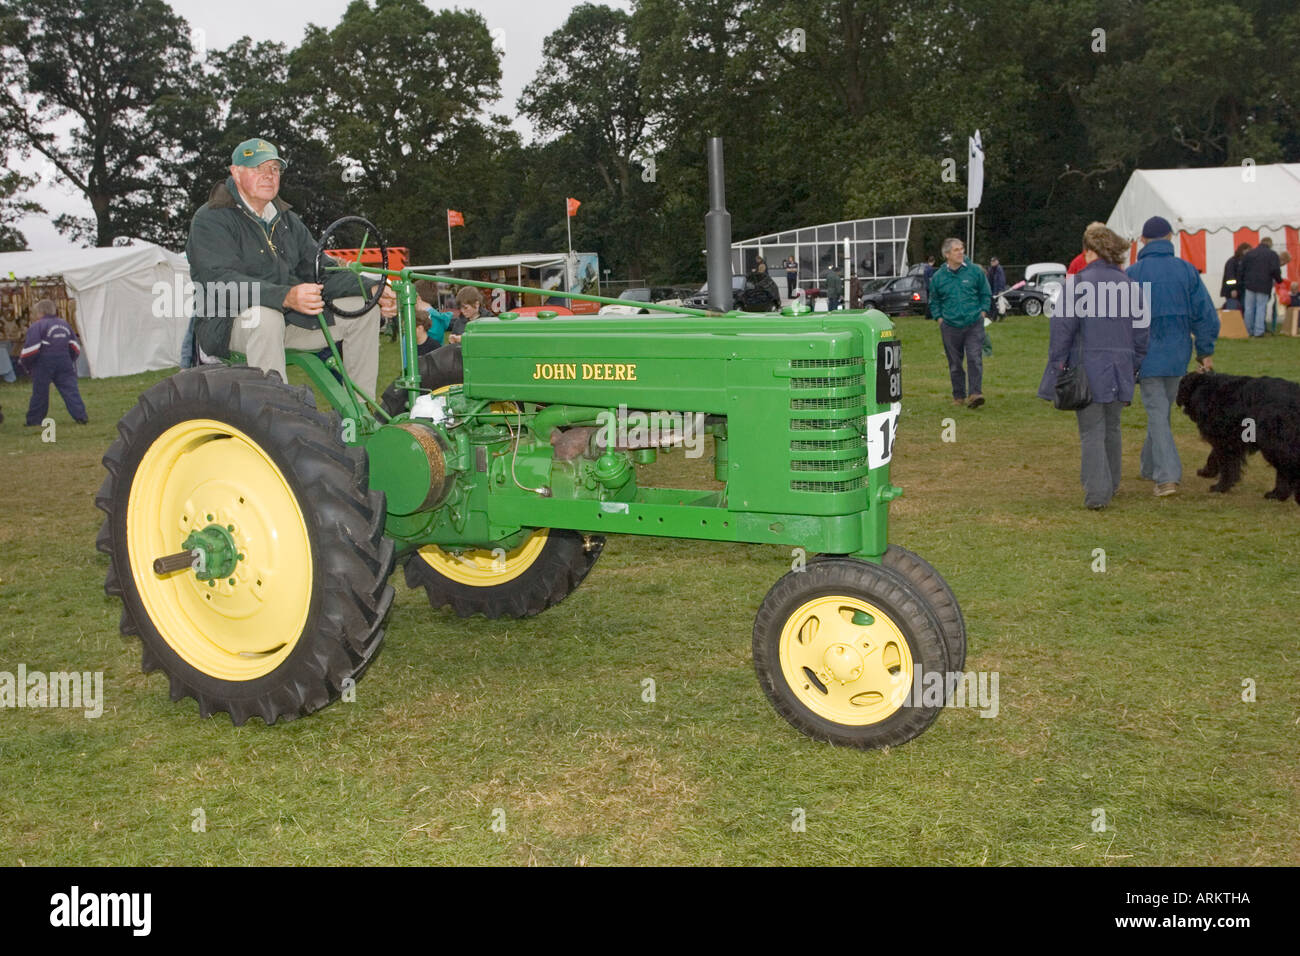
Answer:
(1118, 690)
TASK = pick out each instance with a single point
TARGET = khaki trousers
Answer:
(262, 335)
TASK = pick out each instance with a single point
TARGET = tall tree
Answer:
(586, 103)
(397, 91)
(100, 64)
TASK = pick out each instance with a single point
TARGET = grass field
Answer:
(1121, 692)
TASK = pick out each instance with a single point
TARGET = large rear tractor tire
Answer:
(539, 573)
(283, 602)
(839, 648)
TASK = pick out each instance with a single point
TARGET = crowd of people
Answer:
(1253, 285)
(1146, 336)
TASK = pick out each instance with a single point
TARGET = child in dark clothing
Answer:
(430, 326)
(50, 356)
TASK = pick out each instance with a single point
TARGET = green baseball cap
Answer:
(254, 152)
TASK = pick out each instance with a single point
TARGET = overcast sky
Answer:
(524, 25)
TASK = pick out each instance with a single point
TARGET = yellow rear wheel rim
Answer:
(244, 625)
(849, 673)
(481, 567)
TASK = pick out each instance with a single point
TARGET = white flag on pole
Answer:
(974, 172)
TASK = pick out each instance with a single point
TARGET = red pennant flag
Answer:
(455, 218)
(573, 206)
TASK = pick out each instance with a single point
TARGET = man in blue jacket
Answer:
(1182, 314)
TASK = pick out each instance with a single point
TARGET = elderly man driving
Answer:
(252, 261)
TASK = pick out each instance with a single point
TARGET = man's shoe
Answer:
(959, 402)
(1166, 488)
(975, 401)
(82, 421)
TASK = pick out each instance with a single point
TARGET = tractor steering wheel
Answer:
(325, 264)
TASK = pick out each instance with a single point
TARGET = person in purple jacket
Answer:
(50, 356)
(1101, 324)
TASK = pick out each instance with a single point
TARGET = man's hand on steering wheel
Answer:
(305, 298)
(387, 302)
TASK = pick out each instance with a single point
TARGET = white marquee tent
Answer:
(128, 323)
(1214, 210)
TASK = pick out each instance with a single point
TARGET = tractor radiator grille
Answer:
(838, 444)
(850, 484)
(848, 401)
(829, 454)
(827, 465)
(847, 381)
(825, 424)
(847, 364)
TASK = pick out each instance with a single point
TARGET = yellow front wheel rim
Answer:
(481, 567)
(846, 660)
(243, 625)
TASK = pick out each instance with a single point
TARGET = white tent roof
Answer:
(84, 268)
(131, 307)
(1229, 197)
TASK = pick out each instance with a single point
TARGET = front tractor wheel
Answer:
(840, 647)
(246, 546)
(931, 585)
(538, 573)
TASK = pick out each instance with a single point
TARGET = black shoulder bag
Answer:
(1072, 391)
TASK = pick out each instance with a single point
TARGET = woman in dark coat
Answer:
(1102, 326)
(1232, 287)
(760, 293)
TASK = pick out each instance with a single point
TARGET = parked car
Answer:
(700, 298)
(906, 295)
(654, 293)
(1041, 285)
(658, 294)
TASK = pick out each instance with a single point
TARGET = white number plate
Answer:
(882, 430)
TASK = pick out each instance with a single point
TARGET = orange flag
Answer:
(573, 206)
(455, 218)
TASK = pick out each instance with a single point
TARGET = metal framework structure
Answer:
(878, 246)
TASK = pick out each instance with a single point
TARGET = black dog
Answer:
(1239, 415)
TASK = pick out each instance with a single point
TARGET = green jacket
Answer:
(238, 260)
(834, 284)
(958, 297)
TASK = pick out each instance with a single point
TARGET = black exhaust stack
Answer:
(717, 233)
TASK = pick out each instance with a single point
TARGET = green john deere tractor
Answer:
(252, 535)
